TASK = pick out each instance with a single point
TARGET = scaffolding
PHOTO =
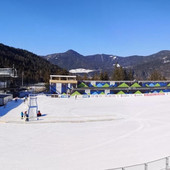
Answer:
(32, 108)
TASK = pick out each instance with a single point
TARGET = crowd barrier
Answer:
(103, 95)
(159, 164)
(121, 95)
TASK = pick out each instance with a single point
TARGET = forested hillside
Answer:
(34, 68)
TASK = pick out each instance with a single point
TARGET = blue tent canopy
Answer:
(155, 91)
(151, 85)
(94, 93)
(99, 85)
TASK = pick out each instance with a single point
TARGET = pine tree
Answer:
(104, 76)
(129, 75)
(85, 77)
(118, 73)
(95, 77)
(155, 75)
(101, 76)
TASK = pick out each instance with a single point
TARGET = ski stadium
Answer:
(100, 132)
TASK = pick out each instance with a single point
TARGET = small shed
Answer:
(5, 98)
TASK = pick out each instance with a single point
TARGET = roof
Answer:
(4, 95)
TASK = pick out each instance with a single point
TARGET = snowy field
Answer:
(85, 134)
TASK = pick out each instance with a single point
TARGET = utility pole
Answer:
(22, 78)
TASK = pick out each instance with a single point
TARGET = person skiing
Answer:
(22, 115)
(39, 113)
(27, 117)
(25, 113)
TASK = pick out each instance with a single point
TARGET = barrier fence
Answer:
(159, 164)
(103, 95)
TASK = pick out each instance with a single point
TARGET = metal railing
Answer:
(159, 164)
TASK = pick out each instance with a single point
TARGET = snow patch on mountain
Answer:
(80, 70)
(113, 57)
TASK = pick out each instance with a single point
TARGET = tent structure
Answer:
(75, 93)
(138, 92)
(99, 85)
(82, 85)
(135, 85)
(94, 93)
(157, 85)
(155, 91)
(102, 92)
(123, 85)
(151, 85)
(161, 91)
(120, 92)
(106, 85)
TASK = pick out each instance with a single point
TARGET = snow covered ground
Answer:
(85, 134)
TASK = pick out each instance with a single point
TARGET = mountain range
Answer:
(38, 68)
(142, 66)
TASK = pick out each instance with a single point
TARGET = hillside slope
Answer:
(34, 67)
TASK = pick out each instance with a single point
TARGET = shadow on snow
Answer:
(9, 106)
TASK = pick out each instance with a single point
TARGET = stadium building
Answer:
(60, 84)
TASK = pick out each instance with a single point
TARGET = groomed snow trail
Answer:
(137, 131)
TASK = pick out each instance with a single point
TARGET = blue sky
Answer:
(118, 27)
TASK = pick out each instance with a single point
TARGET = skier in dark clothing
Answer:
(27, 117)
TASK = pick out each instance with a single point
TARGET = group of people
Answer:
(24, 115)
